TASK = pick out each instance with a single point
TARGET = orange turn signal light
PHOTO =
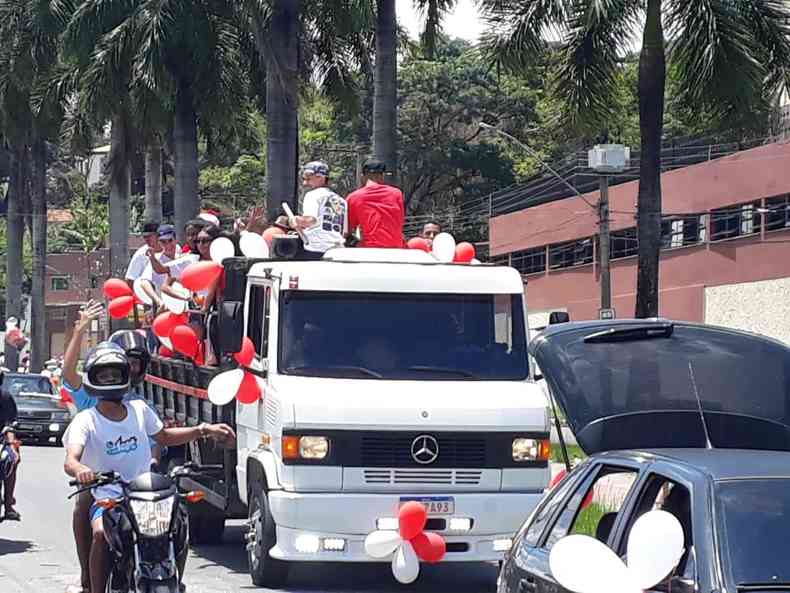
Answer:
(290, 447)
(195, 496)
(106, 503)
(544, 451)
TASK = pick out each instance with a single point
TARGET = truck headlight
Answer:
(153, 517)
(310, 447)
(531, 449)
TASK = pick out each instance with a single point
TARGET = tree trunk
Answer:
(431, 33)
(652, 79)
(153, 181)
(385, 100)
(39, 338)
(120, 189)
(186, 200)
(15, 234)
(282, 103)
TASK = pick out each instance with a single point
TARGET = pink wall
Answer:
(749, 175)
(684, 274)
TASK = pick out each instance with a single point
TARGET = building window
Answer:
(777, 213)
(623, 243)
(679, 231)
(736, 221)
(59, 283)
(572, 253)
(530, 261)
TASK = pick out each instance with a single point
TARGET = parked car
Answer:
(690, 419)
(41, 416)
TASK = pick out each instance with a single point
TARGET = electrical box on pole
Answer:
(609, 158)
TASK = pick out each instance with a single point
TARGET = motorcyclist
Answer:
(113, 436)
(8, 413)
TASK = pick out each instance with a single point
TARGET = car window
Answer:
(592, 510)
(662, 493)
(546, 512)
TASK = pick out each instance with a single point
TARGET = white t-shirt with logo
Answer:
(119, 446)
(138, 263)
(331, 212)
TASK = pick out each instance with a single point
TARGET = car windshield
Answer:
(30, 384)
(403, 336)
(754, 517)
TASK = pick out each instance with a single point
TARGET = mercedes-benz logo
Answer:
(424, 449)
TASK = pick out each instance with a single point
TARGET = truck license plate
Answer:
(31, 427)
(436, 505)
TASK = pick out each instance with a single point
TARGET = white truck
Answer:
(388, 377)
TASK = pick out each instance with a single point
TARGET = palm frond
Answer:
(433, 11)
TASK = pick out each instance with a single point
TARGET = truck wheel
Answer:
(205, 528)
(262, 536)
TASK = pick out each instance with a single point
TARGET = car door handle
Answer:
(527, 585)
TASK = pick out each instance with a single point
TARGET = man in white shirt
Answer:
(114, 436)
(139, 260)
(324, 220)
(153, 279)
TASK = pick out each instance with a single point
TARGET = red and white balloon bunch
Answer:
(122, 299)
(445, 249)
(408, 545)
(239, 383)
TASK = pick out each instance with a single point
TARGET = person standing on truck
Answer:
(324, 220)
(191, 230)
(156, 273)
(139, 259)
(105, 438)
(377, 209)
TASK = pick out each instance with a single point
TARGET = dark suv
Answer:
(41, 416)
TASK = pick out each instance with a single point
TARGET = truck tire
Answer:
(264, 570)
(205, 527)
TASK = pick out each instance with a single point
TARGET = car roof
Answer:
(719, 464)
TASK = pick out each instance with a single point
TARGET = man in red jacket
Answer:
(378, 209)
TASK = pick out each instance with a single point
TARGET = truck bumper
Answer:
(333, 527)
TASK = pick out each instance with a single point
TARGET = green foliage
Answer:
(90, 226)
(246, 176)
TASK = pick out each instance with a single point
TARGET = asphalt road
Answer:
(37, 555)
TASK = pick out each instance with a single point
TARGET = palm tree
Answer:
(385, 98)
(434, 11)
(153, 180)
(730, 58)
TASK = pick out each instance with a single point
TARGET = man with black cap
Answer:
(139, 260)
(377, 209)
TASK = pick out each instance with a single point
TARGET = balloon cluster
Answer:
(445, 249)
(239, 383)
(409, 544)
(583, 564)
(122, 299)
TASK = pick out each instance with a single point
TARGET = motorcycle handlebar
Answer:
(101, 478)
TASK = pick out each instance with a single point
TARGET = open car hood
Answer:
(634, 384)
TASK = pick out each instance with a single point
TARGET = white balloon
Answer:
(655, 546)
(382, 543)
(444, 247)
(165, 342)
(224, 386)
(140, 293)
(405, 566)
(174, 305)
(583, 564)
(254, 245)
(475, 262)
(221, 249)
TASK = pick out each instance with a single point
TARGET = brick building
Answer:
(726, 246)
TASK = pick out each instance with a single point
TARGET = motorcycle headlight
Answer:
(153, 517)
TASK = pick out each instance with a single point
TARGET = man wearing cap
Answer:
(154, 275)
(324, 220)
(377, 209)
(140, 258)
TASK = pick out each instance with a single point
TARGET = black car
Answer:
(690, 419)
(41, 416)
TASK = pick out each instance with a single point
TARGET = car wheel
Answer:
(261, 538)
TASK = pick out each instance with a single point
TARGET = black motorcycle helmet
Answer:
(106, 372)
(133, 343)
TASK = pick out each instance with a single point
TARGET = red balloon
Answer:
(464, 252)
(411, 519)
(165, 352)
(166, 322)
(200, 275)
(249, 391)
(558, 478)
(272, 232)
(430, 547)
(120, 307)
(419, 243)
(185, 340)
(246, 354)
(115, 287)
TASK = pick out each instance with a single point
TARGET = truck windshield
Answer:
(403, 336)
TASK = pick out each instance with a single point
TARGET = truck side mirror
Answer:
(558, 317)
(231, 327)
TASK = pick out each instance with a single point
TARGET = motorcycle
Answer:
(147, 528)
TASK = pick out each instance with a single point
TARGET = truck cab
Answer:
(387, 377)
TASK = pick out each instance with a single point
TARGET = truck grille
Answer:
(441, 477)
(32, 414)
(467, 451)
